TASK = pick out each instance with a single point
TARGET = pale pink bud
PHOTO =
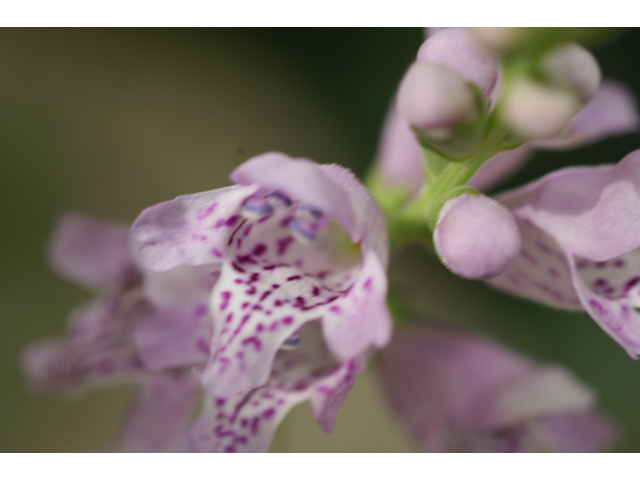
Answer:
(535, 110)
(498, 38)
(433, 97)
(476, 237)
(574, 67)
(459, 50)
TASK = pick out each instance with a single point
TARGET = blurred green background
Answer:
(111, 121)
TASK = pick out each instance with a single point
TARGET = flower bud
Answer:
(571, 66)
(459, 50)
(434, 98)
(476, 237)
(535, 110)
(498, 38)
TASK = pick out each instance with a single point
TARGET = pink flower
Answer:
(295, 242)
(580, 231)
(458, 393)
(100, 347)
(153, 329)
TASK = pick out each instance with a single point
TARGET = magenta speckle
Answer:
(247, 230)
(597, 306)
(619, 263)
(245, 305)
(232, 220)
(204, 213)
(251, 291)
(245, 259)
(237, 267)
(265, 295)
(367, 284)
(229, 317)
(220, 402)
(553, 272)
(287, 320)
(269, 413)
(631, 283)
(335, 309)
(226, 295)
(257, 344)
(259, 249)
(283, 244)
(259, 327)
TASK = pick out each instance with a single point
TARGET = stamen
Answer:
(291, 342)
(277, 199)
(308, 213)
(255, 208)
(302, 231)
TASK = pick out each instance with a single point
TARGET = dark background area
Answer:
(111, 121)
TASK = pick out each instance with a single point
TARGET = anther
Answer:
(291, 342)
(302, 231)
(277, 199)
(255, 208)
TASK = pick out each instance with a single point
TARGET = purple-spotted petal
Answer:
(330, 394)
(174, 337)
(301, 179)
(254, 312)
(540, 272)
(98, 348)
(189, 230)
(247, 422)
(459, 50)
(615, 315)
(580, 229)
(93, 252)
(158, 417)
(359, 318)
